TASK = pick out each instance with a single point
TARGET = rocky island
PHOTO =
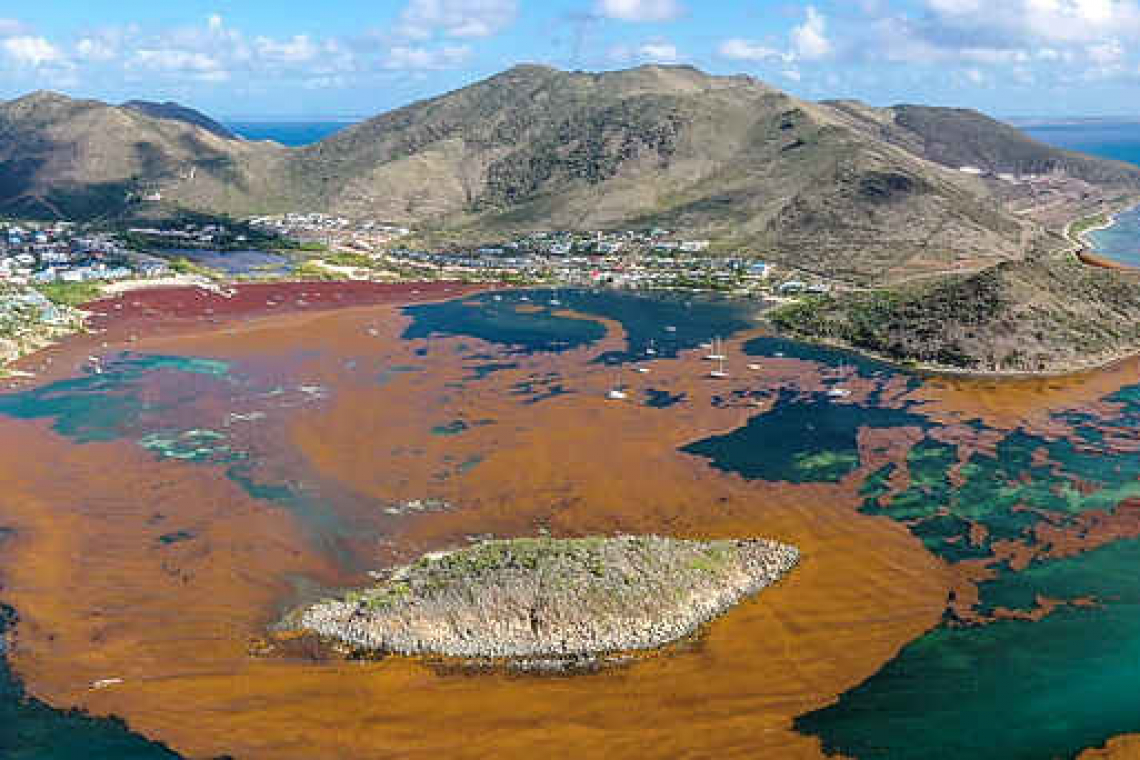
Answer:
(548, 601)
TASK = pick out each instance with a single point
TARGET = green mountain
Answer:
(835, 188)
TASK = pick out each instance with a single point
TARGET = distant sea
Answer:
(1107, 139)
(294, 134)
(1118, 140)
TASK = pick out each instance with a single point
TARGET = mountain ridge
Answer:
(836, 187)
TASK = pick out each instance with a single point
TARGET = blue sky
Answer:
(255, 58)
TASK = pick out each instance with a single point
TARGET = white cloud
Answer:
(34, 52)
(424, 19)
(195, 65)
(640, 10)
(415, 58)
(659, 52)
(299, 49)
(97, 50)
(738, 49)
(1106, 53)
(809, 39)
(10, 27)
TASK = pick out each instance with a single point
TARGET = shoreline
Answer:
(936, 370)
(1085, 248)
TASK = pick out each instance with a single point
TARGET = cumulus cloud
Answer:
(299, 49)
(809, 39)
(97, 49)
(738, 49)
(31, 51)
(414, 58)
(195, 65)
(640, 10)
(424, 19)
(659, 52)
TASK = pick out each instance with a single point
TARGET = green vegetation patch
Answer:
(71, 293)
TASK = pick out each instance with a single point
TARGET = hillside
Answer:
(177, 112)
(61, 157)
(839, 189)
(728, 158)
(1033, 316)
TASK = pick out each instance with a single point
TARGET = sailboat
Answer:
(651, 350)
(717, 353)
(617, 393)
(720, 372)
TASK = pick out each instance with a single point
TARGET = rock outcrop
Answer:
(547, 599)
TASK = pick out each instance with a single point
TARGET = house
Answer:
(792, 286)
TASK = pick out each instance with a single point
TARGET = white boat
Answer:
(717, 352)
(643, 370)
(555, 302)
(754, 367)
(838, 393)
(720, 372)
(670, 329)
(651, 350)
(617, 393)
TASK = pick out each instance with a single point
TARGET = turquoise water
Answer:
(1008, 689)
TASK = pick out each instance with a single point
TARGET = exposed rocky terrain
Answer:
(548, 600)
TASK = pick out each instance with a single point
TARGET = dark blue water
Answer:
(235, 262)
(528, 321)
(30, 730)
(1119, 141)
(294, 134)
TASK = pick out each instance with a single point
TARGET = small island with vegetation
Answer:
(546, 602)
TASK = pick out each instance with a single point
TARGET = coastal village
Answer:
(49, 268)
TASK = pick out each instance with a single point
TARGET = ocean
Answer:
(294, 134)
(1115, 140)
